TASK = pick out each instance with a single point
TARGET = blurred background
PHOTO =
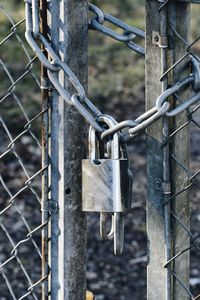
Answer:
(116, 86)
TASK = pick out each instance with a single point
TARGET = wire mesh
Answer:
(189, 234)
(21, 197)
(185, 247)
(23, 208)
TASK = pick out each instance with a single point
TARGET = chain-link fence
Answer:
(190, 186)
(185, 247)
(180, 136)
(24, 179)
(21, 204)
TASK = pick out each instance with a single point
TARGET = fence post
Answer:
(179, 17)
(69, 25)
(45, 160)
(160, 226)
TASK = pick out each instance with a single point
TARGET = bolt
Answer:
(157, 183)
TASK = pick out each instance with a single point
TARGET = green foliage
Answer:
(125, 6)
(116, 74)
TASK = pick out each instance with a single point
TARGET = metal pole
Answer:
(163, 176)
(69, 26)
(166, 164)
(155, 59)
(179, 17)
(45, 160)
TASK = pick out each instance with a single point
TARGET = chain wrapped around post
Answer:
(106, 127)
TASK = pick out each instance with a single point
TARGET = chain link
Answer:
(128, 36)
(79, 100)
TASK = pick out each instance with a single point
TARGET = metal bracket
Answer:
(160, 41)
(163, 186)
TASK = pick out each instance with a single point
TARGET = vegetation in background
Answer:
(116, 74)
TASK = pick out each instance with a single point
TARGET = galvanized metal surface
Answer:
(45, 161)
(167, 147)
(180, 148)
(110, 171)
(156, 280)
(68, 223)
(112, 192)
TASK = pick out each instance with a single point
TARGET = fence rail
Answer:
(38, 196)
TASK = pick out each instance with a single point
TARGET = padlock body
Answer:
(105, 185)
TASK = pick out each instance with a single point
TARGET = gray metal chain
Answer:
(79, 100)
(129, 34)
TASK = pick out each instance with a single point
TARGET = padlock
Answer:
(107, 185)
(105, 181)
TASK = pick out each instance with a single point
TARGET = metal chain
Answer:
(79, 100)
(129, 34)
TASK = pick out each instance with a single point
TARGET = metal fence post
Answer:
(179, 17)
(69, 25)
(161, 284)
(45, 161)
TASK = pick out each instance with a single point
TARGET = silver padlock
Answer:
(105, 182)
(107, 185)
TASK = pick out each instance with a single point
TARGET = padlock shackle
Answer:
(111, 122)
(116, 232)
(92, 143)
(104, 233)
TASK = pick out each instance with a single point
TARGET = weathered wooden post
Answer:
(164, 178)
(69, 27)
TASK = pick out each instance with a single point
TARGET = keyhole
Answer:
(96, 162)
